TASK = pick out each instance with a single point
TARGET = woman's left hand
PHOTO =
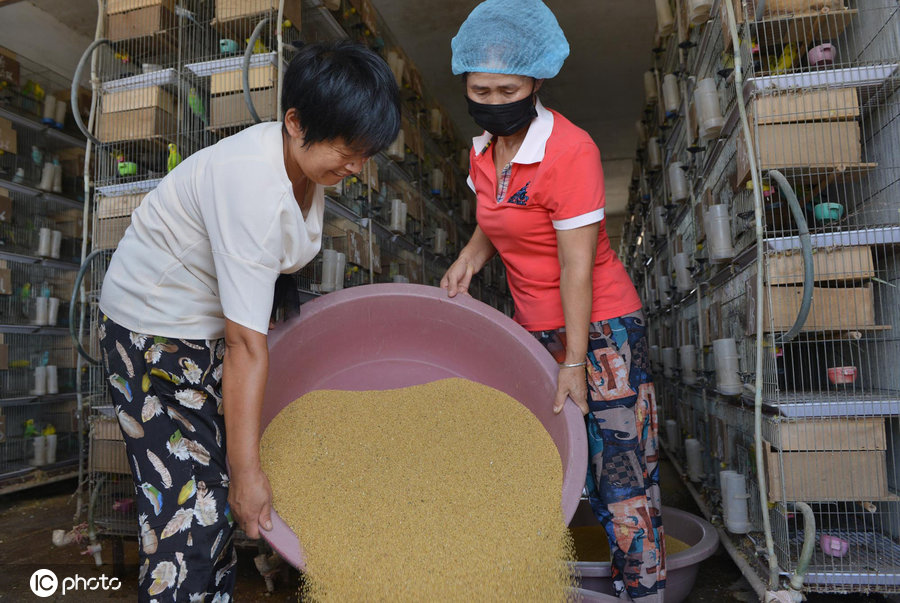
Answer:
(571, 383)
(250, 497)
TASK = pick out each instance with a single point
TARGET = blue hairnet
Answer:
(520, 37)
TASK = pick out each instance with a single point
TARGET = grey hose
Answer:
(245, 68)
(809, 545)
(806, 247)
(76, 114)
(73, 301)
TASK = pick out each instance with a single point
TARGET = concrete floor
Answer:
(28, 518)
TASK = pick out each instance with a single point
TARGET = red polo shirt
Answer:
(555, 183)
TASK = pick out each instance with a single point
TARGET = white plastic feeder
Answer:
(654, 154)
(668, 362)
(709, 110)
(398, 216)
(699, 11)
(664, 20)
(694, 453)
(734, 503)
(671, 95)
(329, 262)
(672, 434)
(681, 262)
(728, 379)
(660, 227)
(717, 225)
(651, 93)
(678, 183)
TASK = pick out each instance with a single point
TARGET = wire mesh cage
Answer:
(819, 89)
(176, 77)
(172, 81)
(41, 205)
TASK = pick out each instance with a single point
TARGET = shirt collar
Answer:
(532, 149)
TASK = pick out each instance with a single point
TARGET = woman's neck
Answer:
(509, 145)
(299, 181)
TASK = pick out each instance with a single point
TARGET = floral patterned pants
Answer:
(168, 399)
(623, 472)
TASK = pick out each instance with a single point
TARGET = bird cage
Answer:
(809, 330)
(172, 78)
(175, 77)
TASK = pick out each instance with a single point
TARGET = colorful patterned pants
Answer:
(623, 472)
(168, 398)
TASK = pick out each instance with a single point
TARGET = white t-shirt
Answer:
(210, 240)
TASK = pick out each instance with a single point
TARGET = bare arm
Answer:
(477, 252)
(243, 384)
(577, 252)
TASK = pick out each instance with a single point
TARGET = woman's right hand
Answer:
(458, 277)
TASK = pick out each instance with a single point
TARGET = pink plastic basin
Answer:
(681, 568)
(395, 335)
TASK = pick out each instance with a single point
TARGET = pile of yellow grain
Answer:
(446, 491)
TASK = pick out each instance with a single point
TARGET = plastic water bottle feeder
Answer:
(728, 378)
(694, 453)
(717, 225)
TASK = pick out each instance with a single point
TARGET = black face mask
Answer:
(506, 119)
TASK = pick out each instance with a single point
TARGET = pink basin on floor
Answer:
(388, 336)
(595, 578)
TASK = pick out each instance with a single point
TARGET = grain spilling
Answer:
(449, 490)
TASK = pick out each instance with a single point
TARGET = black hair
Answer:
(343, 90)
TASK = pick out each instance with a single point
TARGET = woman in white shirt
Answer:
(186, 304)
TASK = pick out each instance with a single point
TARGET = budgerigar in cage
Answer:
(174, 157)
(196, 105)
(126, 168)
(258, 46)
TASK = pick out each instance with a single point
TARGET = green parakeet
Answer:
(126, 168)
(196, 105)
(174, 157)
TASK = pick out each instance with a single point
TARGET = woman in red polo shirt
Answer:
(539, 184)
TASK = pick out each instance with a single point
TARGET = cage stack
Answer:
(41, 204)
(818, 161)
(177, 77)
